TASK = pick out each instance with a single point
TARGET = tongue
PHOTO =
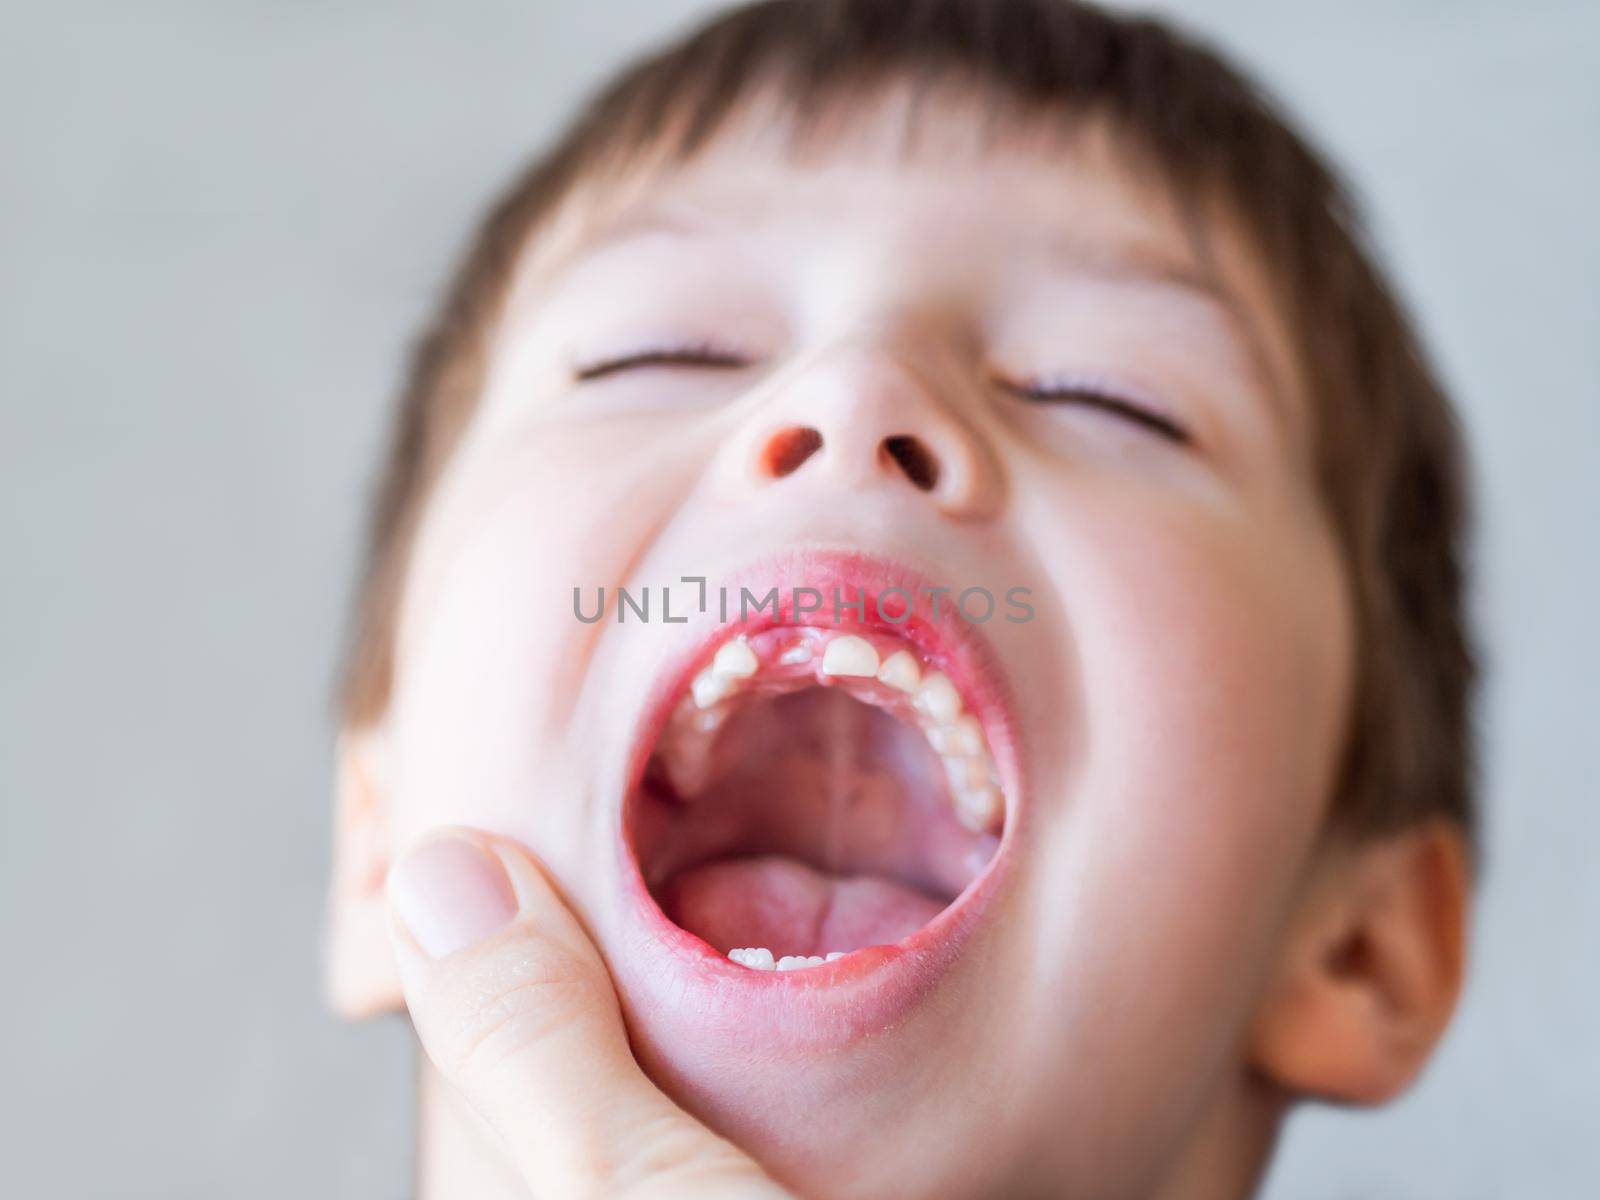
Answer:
(792, 908)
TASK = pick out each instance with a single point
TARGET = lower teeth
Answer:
(759, 958)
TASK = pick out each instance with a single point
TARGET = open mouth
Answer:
(812, 793)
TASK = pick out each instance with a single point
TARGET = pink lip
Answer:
(694, 989)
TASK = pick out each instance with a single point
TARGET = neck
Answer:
(458, 1154)
(1229, 1152)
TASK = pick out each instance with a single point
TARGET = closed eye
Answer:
(1101, 399)
(699, 354)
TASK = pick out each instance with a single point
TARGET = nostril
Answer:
(789, 448)
(915, 459)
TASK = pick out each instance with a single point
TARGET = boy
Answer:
(921, 562)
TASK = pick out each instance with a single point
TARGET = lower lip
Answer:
(670, 972)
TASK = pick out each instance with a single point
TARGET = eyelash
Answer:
(689, 354)
(1085, 393)
(1097, 396)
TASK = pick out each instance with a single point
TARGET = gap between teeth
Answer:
(759, 958)
(954, 735)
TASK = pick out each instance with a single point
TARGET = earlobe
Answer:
(1370, 972)
(359, 971)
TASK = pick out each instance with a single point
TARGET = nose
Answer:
(868, 419)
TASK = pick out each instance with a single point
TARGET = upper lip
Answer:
(834, 1003)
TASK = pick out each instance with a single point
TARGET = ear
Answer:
(1371, 969)
(359, 970)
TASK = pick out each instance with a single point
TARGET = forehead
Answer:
(940, 175)
(898, 151)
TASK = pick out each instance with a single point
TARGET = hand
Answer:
(515, 1008)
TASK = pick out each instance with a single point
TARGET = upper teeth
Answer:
(900, 671)
(735, 660)
(961, 736)
(965, 771)
(938, 697)
(850, 655)
(980, 807)
(709, 687)
(954, 734)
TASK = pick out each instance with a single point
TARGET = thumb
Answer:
(514, 1006)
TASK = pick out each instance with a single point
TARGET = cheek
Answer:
(1213, 687)
(1209, 681)
(491, 655)
(1208, 675)
(1210, 646)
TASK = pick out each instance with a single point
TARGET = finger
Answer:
(513, 1004)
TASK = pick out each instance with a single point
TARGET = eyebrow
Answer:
(637, 225)
(631, 224)
(1141, 263)
(1126, 261)
(1137, 262)
(1134, 262)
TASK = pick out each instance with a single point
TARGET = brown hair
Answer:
(1389, 458)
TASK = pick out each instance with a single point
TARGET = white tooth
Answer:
(795, 655)
(964, 772)
(943, 739)
(900, 671)
(735, 660)
(799, 962)
(850, 655)
(834, 954)
(979, 808)
(938, 697)
(709, 687)
(968, 735)
(759, 957)
(737, 954)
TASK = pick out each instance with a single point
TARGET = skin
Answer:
(1164, 973)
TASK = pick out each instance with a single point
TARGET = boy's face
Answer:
(1163, 730)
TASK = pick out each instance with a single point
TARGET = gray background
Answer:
(219, 224)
